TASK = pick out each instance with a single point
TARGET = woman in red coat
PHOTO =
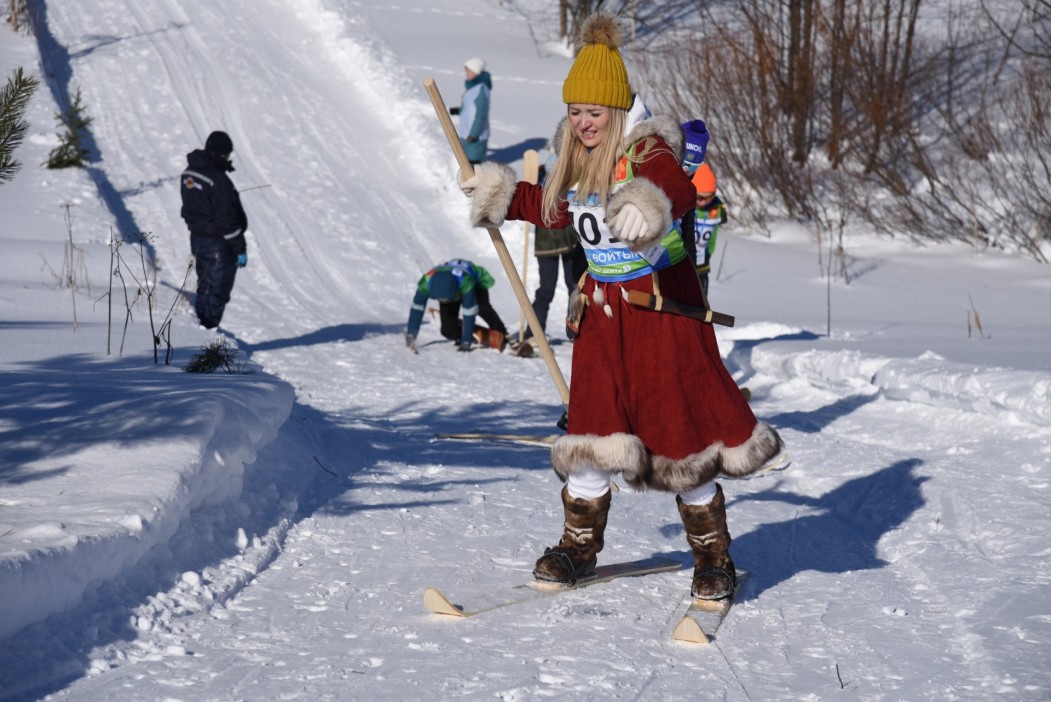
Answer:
(650, 399)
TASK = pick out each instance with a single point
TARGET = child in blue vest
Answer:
(703, 222)
(457, 284)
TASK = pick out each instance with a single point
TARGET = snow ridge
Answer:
(1006, 394)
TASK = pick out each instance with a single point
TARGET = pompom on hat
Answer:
(704, 179)
(697, 137)
(598, 76)
(474, 65)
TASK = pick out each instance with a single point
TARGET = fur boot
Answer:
(714, 577)
(576, 555)
(490, 338)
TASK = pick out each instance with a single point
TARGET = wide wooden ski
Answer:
(704, 617)
(437, 602)
(778, 464)
(530, 439)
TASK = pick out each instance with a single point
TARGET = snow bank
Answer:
(1021, 396)
(141, 452)
(1024, 396)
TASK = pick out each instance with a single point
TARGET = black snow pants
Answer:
(452, 325)
(216, 264)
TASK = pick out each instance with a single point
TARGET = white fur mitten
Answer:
(639, 214)
(490, 188)
(629, 223)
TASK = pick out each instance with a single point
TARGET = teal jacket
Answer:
(474, 117)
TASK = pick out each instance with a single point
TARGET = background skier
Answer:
(457, 284)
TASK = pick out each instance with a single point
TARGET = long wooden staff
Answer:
(501, 247)
(530, 174)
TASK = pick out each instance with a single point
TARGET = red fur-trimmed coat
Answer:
(650, 398)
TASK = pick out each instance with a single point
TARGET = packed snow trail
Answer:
(855, 551)
(315, 144)
(846, 549)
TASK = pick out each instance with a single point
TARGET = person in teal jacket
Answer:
(473, 111)
(456, 284)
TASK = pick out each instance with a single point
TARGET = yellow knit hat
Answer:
(598, 76)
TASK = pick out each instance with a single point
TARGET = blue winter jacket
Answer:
(474, 116)
(210, 203)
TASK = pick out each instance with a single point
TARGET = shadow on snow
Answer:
(57, 61)
(837, 532)
(515, 152)
(58, 407)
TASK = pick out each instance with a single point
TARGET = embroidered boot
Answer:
(576, 555)
(714, 577)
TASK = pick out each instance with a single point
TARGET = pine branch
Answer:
(14, 101)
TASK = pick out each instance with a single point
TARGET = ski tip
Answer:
(689, 631)
(778, 464)
(435, 601)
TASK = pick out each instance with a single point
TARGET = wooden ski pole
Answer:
(530, 174)
(525, 281)
(500, 245)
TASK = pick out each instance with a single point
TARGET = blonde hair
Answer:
(591, 171)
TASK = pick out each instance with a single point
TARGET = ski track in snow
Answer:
(846, 530)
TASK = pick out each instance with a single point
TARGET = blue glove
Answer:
(242, 260)
(472, 139)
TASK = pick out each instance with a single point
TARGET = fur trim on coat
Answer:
(617, 453)
(663, 126)
(625, 454)
(492, 195)
(555, 145)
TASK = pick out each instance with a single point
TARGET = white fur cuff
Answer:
(492, 195)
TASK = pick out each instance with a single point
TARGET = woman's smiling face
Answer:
(590, 122)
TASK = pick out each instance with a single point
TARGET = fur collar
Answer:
(663, 126)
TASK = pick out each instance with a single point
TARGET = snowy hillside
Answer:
(269, 534)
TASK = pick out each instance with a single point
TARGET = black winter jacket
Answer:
(210, 203)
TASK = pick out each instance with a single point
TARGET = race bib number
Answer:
(609, 259)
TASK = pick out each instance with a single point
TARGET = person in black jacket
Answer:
(212, 210)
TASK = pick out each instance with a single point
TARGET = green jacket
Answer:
(555, 242)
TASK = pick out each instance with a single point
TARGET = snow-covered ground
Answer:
(269, 534)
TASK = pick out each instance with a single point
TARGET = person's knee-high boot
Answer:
(714, 577)
(576, 555)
